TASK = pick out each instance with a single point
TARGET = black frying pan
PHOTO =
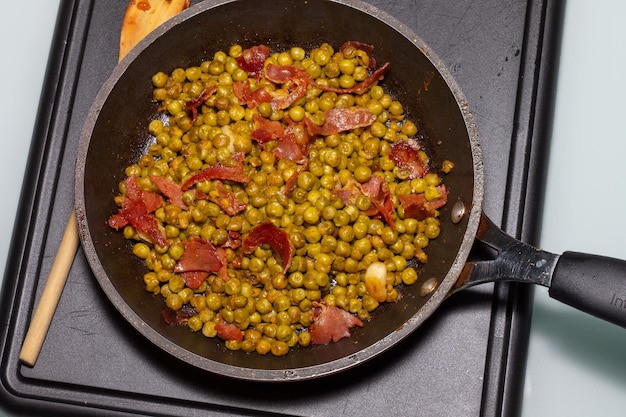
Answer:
(115, 135)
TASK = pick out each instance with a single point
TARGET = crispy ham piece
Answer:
(234, 240)
(136, 210)
(277, 238)
(250, 98)
(377, 191)
(294, 143)
(417, 207)
(220, 171)
(193, 104)
(296, 90)
(361, 87)
(380, 196)
(228, 331)
(294, 79)
(252, 59)
(170, 189)
(365, 47)
(227, 200)
(330, 323)
(265, 129)
(406, 155)
(179, 317)
(284, 73)
(200, 259)
(341, 119)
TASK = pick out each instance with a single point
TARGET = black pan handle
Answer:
(591, 283)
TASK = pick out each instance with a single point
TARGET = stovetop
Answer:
(467, 360)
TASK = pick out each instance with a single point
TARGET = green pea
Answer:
(432, 230)
(141, 250)
(409, 276)
(263, 306)
(311, 215)
(312, 234)
(346, 233)
(362, 173)
(174, 302)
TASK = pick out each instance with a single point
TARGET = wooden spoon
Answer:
(141, 17)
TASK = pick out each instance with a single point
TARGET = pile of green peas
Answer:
(334, 242)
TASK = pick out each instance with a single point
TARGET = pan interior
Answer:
(116, 134)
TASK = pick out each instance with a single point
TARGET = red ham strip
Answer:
(406, 156)
(170, 189)
(295, 80)
(341, 119)
(199, 260)
(193, 279)
(348, 193)
(365, 47)
(294, 143)
(378, 192)
(234, 240)
(290, 184)
(192, 105)
(297, 90)
(179, 317)
(331, 323)
(220, 171)
(277, 238)
(227, 200)
(228, 331)
(265, 129)
(136, 209)
(242, 91)
(361, 87)
(283, 73)
(252, 59)
(416, 206)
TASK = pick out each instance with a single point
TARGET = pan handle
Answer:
(593, 284)
(590, 283)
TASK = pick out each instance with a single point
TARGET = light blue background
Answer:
(577, 364)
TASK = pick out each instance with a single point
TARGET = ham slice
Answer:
(252, 59)
(171, 190)
(416, 206)
(406, 155)
(227, 200)
(340, 120)
(277, 238)
(228, 331)
(221, 172)
(265, 129)
(250, 98)
(192, 105)
(136, 210)
(378, 192)
(331, 323)
(199, 260)
(361, 87)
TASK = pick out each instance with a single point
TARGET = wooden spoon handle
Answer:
(51, 293)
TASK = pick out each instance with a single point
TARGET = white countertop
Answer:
(577, 364)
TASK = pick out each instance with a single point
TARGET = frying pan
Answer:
(115, 135)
